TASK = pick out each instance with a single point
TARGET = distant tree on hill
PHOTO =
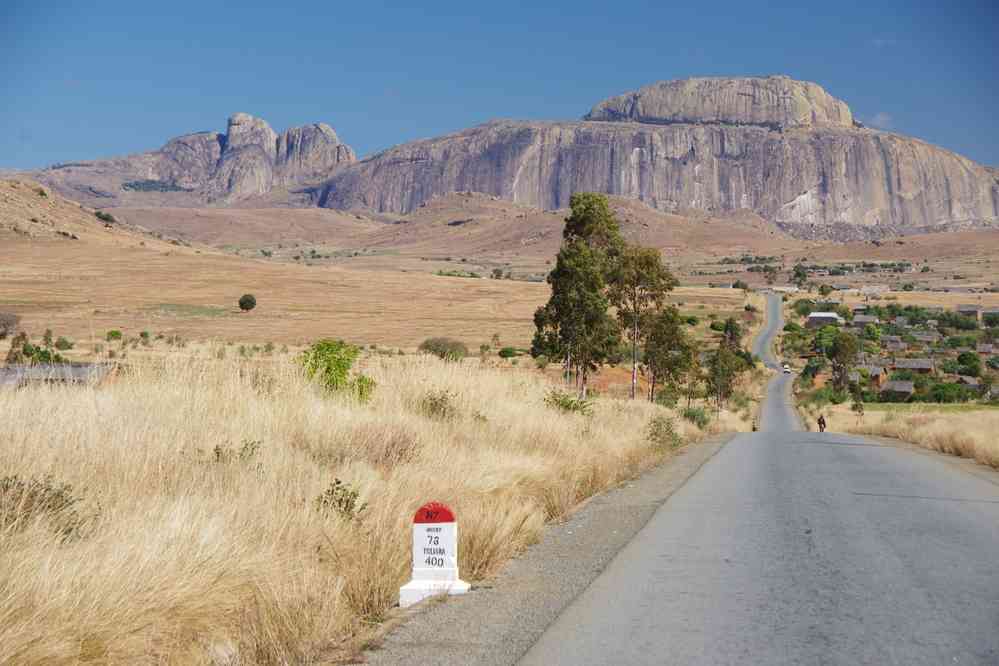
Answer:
(575, 324)
(770, 274)
(723, 368)
(842, 355)
(800, 275)
(8, 324)
(669, 352)
(247, 302)
(638, 284)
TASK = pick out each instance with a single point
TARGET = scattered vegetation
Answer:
(568, 403)
(447, 349)
(152, 186)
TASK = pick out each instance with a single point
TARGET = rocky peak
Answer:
(776, 102)
(246, 130)
(250, 159)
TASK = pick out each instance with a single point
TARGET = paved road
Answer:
(793, 547)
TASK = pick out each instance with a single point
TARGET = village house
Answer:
(969, 310)
(873, 289)
(923, 366)
(896, 346)
(970, 382)
(820, 319)
(985, 348)
(897, 389)
(862, 320)
(930, 338)
(877, 374)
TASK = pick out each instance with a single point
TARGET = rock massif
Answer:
(785, 149)
(249, 160)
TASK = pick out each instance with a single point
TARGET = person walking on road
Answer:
(822, 423)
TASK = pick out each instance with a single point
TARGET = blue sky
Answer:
(87, 80)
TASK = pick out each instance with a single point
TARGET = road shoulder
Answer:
(499, 620)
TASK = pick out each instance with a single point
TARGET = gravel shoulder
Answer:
(499, 620)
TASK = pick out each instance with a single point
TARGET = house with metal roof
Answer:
(920, 365)
(898, 389)
(820, 319)
(862, 320)
(969, 310)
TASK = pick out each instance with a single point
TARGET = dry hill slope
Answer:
(122, 278)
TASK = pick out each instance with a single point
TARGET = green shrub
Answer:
(447, 349)
(696, 415)
(541, 362)
(508, 352)
(329, 363)
(828, 394)
(568, 403)
(363, 387)
(247, 302)
(113, 335)
(105, 217)
(439, 404)
(340, 499)
(63, 344)
(662, 434)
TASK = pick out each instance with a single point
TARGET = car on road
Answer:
(787, 369)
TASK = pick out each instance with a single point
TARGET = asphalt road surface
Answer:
(791, 547)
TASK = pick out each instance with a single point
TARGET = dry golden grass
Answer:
(968, 433)
(120, 279)
(196, 545)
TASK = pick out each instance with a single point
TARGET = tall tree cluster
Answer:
(597, 272)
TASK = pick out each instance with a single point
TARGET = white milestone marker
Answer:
(435, 556)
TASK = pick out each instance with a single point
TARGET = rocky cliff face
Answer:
(249, 160)
(776, 102)
(784, 149)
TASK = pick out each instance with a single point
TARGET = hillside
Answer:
(128, 279)
(486, 232)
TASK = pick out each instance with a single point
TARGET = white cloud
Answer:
(882, 120)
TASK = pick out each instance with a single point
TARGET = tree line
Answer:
(596, 272)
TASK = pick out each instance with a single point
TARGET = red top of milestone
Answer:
(433, 512)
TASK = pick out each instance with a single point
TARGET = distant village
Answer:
(906, 352)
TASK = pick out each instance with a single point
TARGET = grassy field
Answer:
(192, 528)
(968, 431)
